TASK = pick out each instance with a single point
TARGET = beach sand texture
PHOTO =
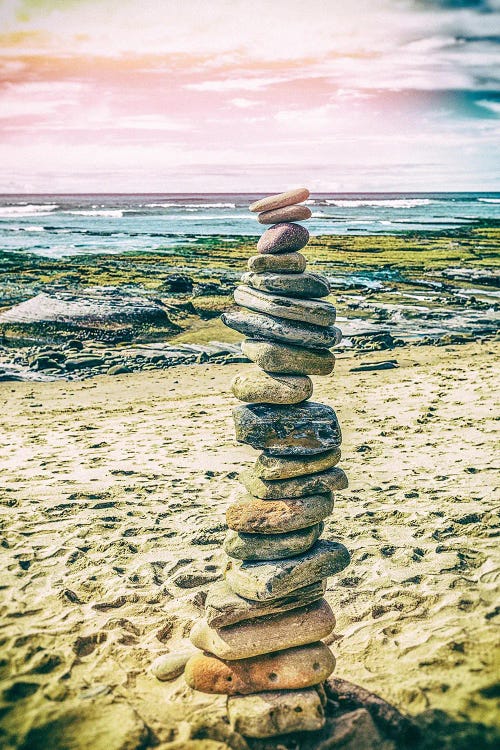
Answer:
(114, 491)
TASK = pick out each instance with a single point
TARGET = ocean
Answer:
(67, 225)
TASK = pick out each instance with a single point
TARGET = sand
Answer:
(114, 492)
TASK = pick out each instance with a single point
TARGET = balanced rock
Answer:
(268, 580)
(283, 263)
(224, 607)
(284, 467)
(256, 325)
(271, 546)
(251, 515)
(283, 238)
(288, 284)
(265, 634)
(256, 386)
(298, 430)
(271, 202)
(287, 213)
(312, 484)
(273, 713)
(292, 669)
(288, 360)
(305, 311)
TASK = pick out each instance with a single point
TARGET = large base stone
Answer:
(252, 515)
(304, 310)
(269, 580)
(301, 430)
(265, 634)
(286, 467)
(274, 713)
(271, 546)
(224, 607)
(293, 669)
(326, 481)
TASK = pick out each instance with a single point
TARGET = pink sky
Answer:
(98, 95)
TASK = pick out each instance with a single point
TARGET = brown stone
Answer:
(285, 467)
(284, 359)
(255, 386)
(292, 669)
(283, 238)
(252, 515)
(325, 481)
(288, 198)
(282, 263)
(287, 213)
(271, 546)
(274, 713)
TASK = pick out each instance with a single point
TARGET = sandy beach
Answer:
(114, 491)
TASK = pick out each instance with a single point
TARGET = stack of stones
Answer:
(262, 634)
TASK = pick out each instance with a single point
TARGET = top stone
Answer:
(279, 201)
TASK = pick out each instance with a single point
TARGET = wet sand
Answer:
(114, 492)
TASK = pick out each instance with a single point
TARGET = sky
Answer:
(249, 95)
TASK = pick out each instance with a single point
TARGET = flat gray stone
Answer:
(262, 581)
(275, 357)
(288, 198)
(282, 263)
(300, 430)
(224, 607)
(259, 326)
(297, 212)
(252, 515)
(274, 713)
(264, 635)
(303, 285)
(257, 387)
(305, 311)
(270, 546)
(282, 467)
(326, 481)
(283, 238)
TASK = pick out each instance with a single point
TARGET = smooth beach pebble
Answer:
(305, 311)
(286, 213)
(283, 263)
(274, 578)
(274, 357)
(257, 325)
(283, 238)
(224, 607)
(305, 285)
(299, 430)
(270, 546)
(288, 198)
(252, 515)
(332, 480)
(291, 669)
(281, 467)
(266, 634)
(274, 713)
(170, 666)
(255, 386)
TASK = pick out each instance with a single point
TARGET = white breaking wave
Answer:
(489, 200)
(28, 209)
(175, 204)
(110, 212)
(382, 203)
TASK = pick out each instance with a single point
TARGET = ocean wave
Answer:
(109, 212)
(379, 203)
(176, 204)
(27, 209)
(489, 200)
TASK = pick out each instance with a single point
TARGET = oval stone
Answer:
(284, 263)
(288, 198)
(275, 713)
(274, 578)
(332, 480)
(251, 515)
(289, 284)
(284, 467)
(291, 669)
(299, 430)
(283, 238)
(286, 213)
(305, 311)
(265, 634)
(270, 546)
(169, 666)
(255, 386)
(224, 607)
(257, 325)
(288, 360)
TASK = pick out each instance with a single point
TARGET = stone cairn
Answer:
(261, 639)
